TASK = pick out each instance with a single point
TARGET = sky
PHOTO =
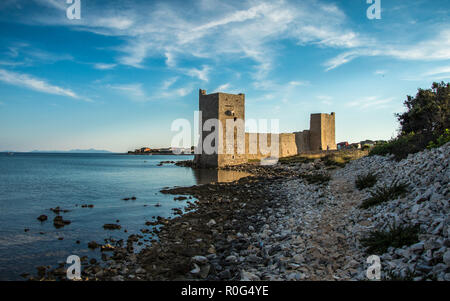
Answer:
(118, 77)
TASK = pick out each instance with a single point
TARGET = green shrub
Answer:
(403, 145)
(384, 193)
(315, 178)
(378, 242)
(337, 159)
(424, 123)
(366, 181)
(441, 140)
(295, 159)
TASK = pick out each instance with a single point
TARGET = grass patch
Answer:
(254, 160)
(366, 181)
(341, 158)
(385, 193)
(315, 178)
(333, 160)
(379, 241)
(296, 159)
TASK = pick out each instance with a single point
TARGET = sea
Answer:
(32, 183)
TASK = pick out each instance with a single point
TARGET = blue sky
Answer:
(117, 78)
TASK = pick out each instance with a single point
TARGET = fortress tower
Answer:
(223, 107)
(322, 132)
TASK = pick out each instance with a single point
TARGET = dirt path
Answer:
(330, 250)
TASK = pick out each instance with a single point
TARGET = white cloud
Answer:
(234, 30)
(201, 74)
(440, 71)
(299, 83)
(30, 82)
(371, 102)
(132, 91)
(102, 66)
(325, 99)
(437, 48)
(180, 92)
(222, 88)
(380, 72)
(169, 82)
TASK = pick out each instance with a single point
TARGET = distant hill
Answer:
(77, 151)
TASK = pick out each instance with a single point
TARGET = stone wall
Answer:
(302, 141)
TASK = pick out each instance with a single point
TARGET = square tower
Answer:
(322, 132)
(228, 109)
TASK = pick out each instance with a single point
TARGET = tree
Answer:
(428, 113)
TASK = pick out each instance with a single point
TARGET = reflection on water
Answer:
(205, 176)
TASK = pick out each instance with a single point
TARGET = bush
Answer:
(315, 178)
(379, 241)
(295, 159)
(441, 140)
(403, 145)
(366, 181)
(426, 119)
(385, 193)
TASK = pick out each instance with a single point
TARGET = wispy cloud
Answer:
(23, 54)
(236, 30)
(299, 83)
(222, 88)
(132, 91)
(436, 48)
(440, 72)
(201, 74)
(169, 82)
(325, 99)
(372, 102)
(380, 72)
(102, 66)
(30, 82)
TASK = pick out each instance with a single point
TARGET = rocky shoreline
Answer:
(293, 221)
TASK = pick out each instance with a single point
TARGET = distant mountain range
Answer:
(76, 151)
(91, 150)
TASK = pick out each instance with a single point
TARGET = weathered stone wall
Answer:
(286, 145)
(328, 132)
(223, 107)
(302, 141)
(322, 132)
(232, 110)
(208, 106)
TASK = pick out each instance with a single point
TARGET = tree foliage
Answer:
(425, 123)
(428, 112)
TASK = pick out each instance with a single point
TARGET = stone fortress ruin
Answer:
(230, 108)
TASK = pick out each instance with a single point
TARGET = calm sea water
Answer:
(31, 184)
